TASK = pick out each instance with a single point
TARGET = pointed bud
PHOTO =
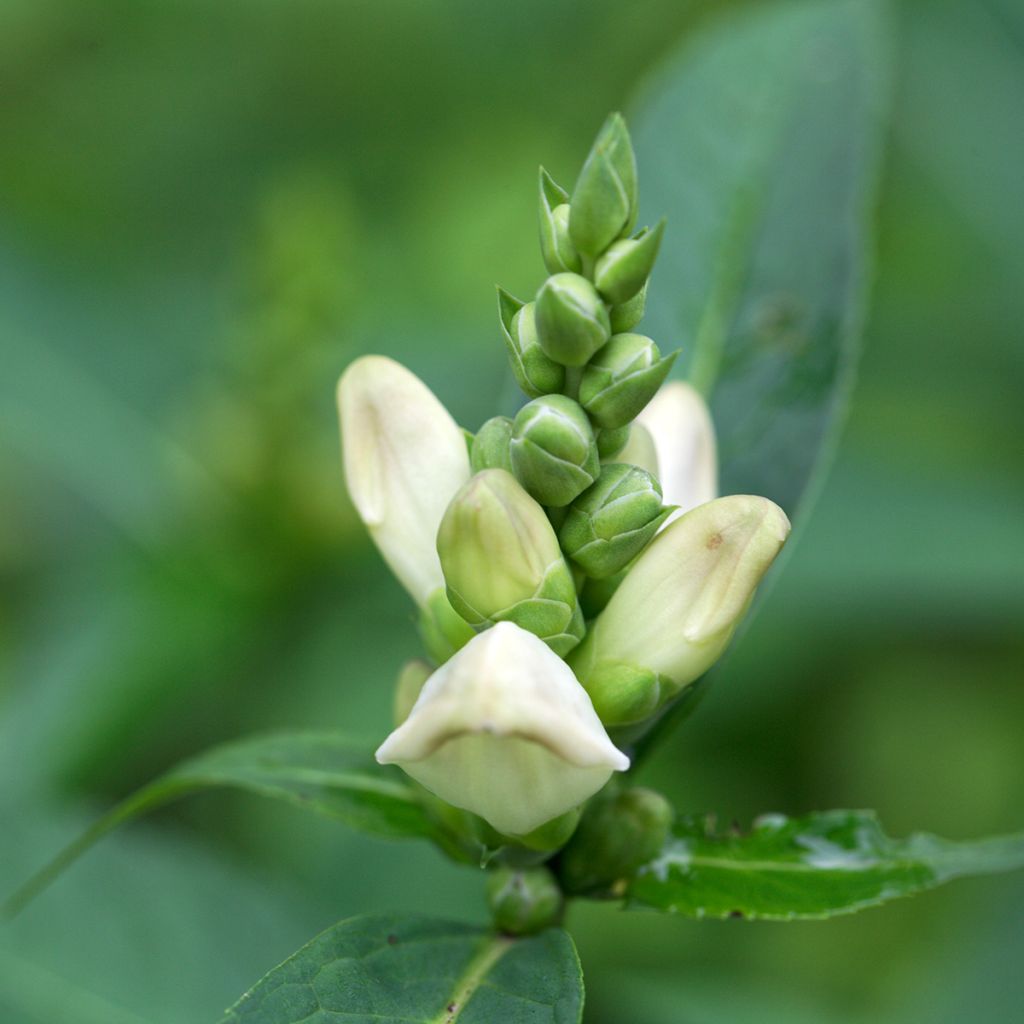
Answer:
(625, 317)
(535, 372)
(622, 378)
(620, 833)
(676, 610)
(556, 246)
(611, 442)
(504, 730)
(524, 902)
(613, 520)
(604, 200)
(491, 446)
(404, 459)
(503, 564)
(572, 322)
(625, 266)
(407, 689)
(554, 453)
(442, 629)
(680, 426)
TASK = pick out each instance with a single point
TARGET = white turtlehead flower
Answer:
(676, 610)
(679, 424)
(504, 730)
(404, 459)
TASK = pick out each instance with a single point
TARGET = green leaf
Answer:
(835, 862)
(386, 969)
(328, 773)
(760, 140)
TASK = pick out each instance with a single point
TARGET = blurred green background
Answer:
(208, 209)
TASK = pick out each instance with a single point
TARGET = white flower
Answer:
(679, 423)
(504, 730)
(404, 459)
(677, 608)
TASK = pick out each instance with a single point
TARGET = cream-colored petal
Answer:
(404, 458)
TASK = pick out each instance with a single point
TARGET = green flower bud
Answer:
(524, 902)
(604, 200)
(613, 520)
(619, 834)
(442, 629)
(502, 562)
(554, 454)
(572, 321)
(674, 613)
(556, 246)
(534, 371)
(611, 442)
(625, 317)
(407, 689)
(490, 446)
(622, 378)
(625, 266)
(624, 694)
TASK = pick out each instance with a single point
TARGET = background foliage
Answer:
(207, 210)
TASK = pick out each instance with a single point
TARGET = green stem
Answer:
(478, 969)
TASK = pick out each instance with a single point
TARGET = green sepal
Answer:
(611, 442)
(622, 378)
(623, 694)
(620, 832)
(594, 595)
(524, 902)
(442, 629)
(554, 452)
(604, 201)
(533, 370)
(625, 266)
(571, 320)
(556, 246)
(490, 449)
(625, 317)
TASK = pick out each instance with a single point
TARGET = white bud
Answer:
(404, 459)
(678, 606)
(504, 730)
(679, 423)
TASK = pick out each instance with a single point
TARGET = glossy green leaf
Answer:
(760, 140)
(817, 866)
(328, 773)
(386, 969)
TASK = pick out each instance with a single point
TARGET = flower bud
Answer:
(611, 442)
(625, 317)
(624, 267)
(524, 902)
(604, 200)
(622, 378)
(490, 448)
(442, 629)
(502, 562)
(404, 458)
(554, 454)
(407, 689)
(680, 426)
(678, 606)
(504, 730)
(572, 321)
(556, 246)
(613, 520)
(619, 833)
(534, 371)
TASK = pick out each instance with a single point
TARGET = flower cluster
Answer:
(573, 567)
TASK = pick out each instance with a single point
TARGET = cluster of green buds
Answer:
(574, 568)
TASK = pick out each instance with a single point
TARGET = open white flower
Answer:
(404, 459)
(504, 730)
(680, 426)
